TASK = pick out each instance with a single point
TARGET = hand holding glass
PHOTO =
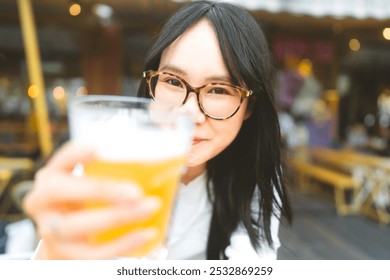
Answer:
(136, 140)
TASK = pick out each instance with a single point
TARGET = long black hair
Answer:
(250, 167)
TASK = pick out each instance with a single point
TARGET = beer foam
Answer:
(120, 138)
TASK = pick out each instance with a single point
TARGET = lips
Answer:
(197, 140)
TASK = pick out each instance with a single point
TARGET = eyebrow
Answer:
(178, 71)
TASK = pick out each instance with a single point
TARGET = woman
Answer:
(232, 194)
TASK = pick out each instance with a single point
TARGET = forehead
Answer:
(196, 52)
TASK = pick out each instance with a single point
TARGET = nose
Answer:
(192, 106)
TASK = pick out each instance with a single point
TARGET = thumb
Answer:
(69, 155)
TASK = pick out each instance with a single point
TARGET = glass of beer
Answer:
(137, 140)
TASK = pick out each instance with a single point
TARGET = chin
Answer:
(191, 163)
(194, 161)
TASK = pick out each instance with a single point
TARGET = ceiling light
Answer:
(354, 45)
(74, 9)
(103, 11)
(386, 33)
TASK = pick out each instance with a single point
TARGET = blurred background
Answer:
(333, 98)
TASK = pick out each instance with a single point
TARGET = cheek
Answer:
(226, 131)
(223, 135)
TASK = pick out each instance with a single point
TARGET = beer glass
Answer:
(137, 140)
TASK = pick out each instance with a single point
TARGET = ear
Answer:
(249, 110)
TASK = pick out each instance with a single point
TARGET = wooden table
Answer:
(16, 163)
(372, 171)
(8, 168)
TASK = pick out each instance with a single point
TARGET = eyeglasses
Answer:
(216, 100)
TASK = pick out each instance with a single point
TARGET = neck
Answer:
(192, 172)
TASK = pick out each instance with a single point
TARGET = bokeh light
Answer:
(32, 91)
(74, 9)
(386, 33)
(58, 92)
(354, 44)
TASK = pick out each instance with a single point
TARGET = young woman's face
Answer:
(195, 56)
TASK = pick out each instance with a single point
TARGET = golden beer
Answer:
(135, 140)
(157, 178)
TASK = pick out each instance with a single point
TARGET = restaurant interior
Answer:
(332, 96)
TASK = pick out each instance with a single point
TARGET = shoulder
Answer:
(241, 248)
(240, 245)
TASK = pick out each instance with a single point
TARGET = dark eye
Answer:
(219, 90)
(174, 82)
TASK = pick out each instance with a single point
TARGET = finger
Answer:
(121, 246)
(84, 224)
(60, 186)
(53, 189)
(69, 155)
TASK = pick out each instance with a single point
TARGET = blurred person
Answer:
(319, 125)
(232, 195)
(357, 136)
(308, 94)
(290, 82)
(384, 118)
(293, 133)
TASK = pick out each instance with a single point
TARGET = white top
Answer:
(188, 234)
(187, 238)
